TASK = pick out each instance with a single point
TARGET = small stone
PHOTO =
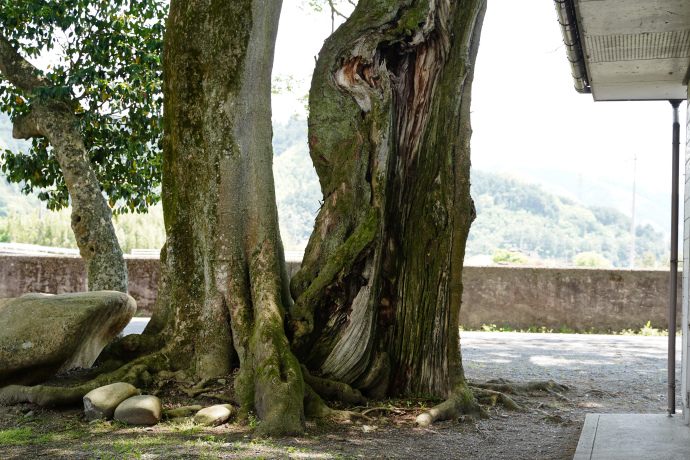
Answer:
(182, 411)
(101, 402)
(221, 381)
(140, 410)
(213, 415)
(368, 428)
(30, 414)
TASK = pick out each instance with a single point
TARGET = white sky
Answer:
(524, 108)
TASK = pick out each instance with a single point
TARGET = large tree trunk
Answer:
(379, 292)
(224, 288)
(91, 216)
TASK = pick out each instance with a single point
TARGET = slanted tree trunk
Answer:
(91, 216)
(379, 292)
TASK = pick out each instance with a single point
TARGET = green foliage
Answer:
(648, 260)
(325, 5)
(591, 259)
(503, 255)
(106, 66)
(297, 185)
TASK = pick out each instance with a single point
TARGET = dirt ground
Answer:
(606, 374)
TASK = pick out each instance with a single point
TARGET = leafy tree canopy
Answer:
(105, 63)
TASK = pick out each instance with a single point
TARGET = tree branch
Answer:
(18, 70)
(25, 127)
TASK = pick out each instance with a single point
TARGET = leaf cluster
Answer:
(104, 62)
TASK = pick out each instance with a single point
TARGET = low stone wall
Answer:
(519, 297)
(579, 298)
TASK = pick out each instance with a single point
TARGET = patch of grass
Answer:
(20, 436)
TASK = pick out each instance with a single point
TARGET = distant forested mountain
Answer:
(511, 213)
(514, 214)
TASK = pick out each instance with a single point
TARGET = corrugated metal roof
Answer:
(635, 49)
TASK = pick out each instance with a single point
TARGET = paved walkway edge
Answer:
(585, 446)
(633, 437)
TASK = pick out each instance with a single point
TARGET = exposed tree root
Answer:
(491, 398)
(314, 407)
(333, 390)
(489, 393)
(196, 390)
(452, 409)
(506, 386)
(220, 397)
(135, 373)
(397, 410)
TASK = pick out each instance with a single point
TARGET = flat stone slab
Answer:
(140, 410)
(633, 437)
(213, 415)
(42, 335)
(102, 402)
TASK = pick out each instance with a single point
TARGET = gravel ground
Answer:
(606, 374)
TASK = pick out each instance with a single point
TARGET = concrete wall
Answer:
(518, 297)
(58, 274)
(578, 298)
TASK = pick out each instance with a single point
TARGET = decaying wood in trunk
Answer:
(379, 292)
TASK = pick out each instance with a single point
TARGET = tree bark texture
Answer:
(91, 216)
(224, 288)
(379, 292)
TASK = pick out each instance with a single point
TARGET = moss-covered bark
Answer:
(224, 288)
(379, 292)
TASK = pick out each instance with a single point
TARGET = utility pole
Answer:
(632, 228)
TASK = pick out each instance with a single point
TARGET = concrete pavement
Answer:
(633, 437)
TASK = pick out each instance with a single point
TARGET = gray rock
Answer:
(101, 402)
(183, 411)
(140, 410)
(42, 335)
(213, 415)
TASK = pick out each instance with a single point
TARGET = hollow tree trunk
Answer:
(91, 216)
(224, 288)
(379, 292)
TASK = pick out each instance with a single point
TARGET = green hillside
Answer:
(512, 213)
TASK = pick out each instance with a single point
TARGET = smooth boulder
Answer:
(42, 335)
(140, 410)
(213, 415)
(102, 402)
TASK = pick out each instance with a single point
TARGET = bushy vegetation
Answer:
(503, 255)
(591, 259)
